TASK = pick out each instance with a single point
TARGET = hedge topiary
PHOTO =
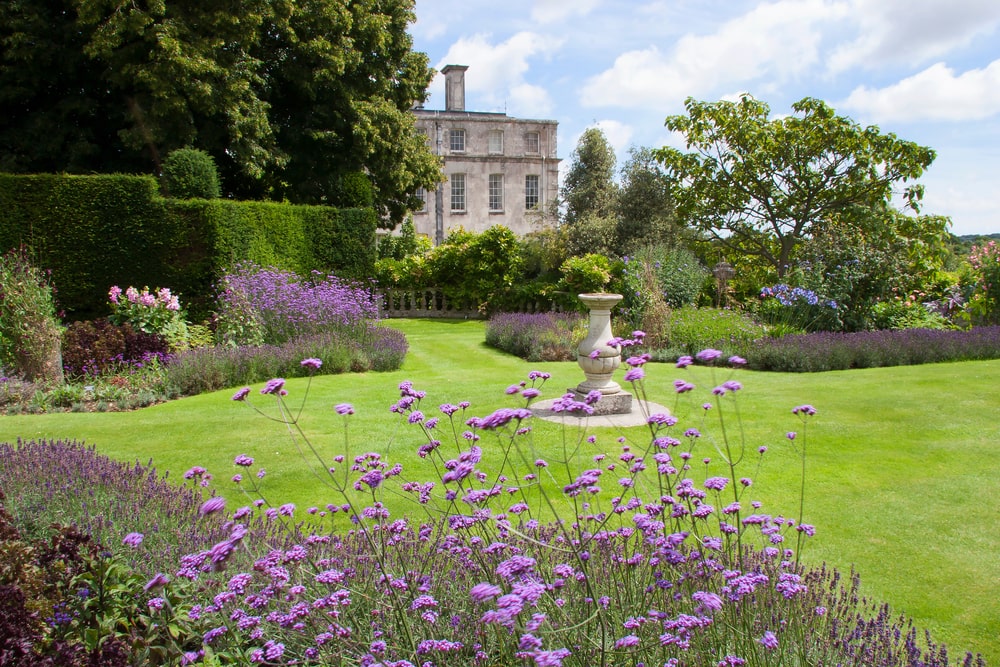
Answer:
(189, 173)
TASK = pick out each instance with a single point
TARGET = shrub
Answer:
(826, 351)
(98, 347)
(30, 334)
(790, 309)
(270, 306)
(189, 173)
(537, 336)
(985, 302)
(158, 312)
(205, 369)
(676, 560)
(691, 329)
(585, 274)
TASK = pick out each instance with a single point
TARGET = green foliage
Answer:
(645, 209)
(404, 245)
(690, 330)
(158, 312)
(764, 185)
(475, 268)
(189, 173)
(591, 233)
(900, 314)
(589, 188)
(586, 274)
(292, 101)
(985, 302)
(30, 332)
(117, 230)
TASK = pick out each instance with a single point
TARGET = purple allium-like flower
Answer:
(156, 603)
(531, 392)
(212, 505)
(159, 580)
(790, 435)
(288, 509)
(484, 591)
(685, 361)
(243, 460)
(628, 641)
(682, 387)
(732, 385)
(133, 539)
(241, 394)
(634, 374)
(769, 641)
(273, 386)
(593, 396)
(762, 449)
(708, 355)
(716, 483)
(594, 354)
(737, 361)
(804, 410)
(312, 363)
(344, 409)
(707, 601)
(214, 634)
(415, 417)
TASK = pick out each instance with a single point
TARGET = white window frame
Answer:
(532, 142)
(458, 193)
(496, 193)
(495, 145)
(456, 141)
(532, 191)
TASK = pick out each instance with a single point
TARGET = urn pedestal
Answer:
(598, 360)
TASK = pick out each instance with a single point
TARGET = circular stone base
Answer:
(640, 410)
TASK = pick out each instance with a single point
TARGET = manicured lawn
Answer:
(903, 480)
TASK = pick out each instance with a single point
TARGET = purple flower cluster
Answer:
(269, 306)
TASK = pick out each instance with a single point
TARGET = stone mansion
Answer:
(499, 170)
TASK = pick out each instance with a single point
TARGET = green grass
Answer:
(902, 462)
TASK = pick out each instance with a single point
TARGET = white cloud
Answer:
(557, 11)
(495, 80)
(779, 41)
(933, 94)
(618, 134)
(912, 33)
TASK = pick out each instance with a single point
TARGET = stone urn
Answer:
(598, 359)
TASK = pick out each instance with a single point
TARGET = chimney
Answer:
(454, 87)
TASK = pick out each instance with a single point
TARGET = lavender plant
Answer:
(536, 336)
(260, 306)
(826, 351)
(640, 555)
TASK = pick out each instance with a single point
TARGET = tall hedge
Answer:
(98, 231)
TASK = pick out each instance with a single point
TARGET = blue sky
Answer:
(926, 70)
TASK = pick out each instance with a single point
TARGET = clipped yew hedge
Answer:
(103, 230)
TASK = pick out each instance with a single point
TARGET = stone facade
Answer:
(499, 170)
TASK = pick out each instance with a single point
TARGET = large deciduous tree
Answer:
(645, 208)
(763, 185)
(291, 98)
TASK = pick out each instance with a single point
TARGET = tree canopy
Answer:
(291, 98)
(589, 187)
(762, 185)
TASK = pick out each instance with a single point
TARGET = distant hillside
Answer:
(978, 238)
